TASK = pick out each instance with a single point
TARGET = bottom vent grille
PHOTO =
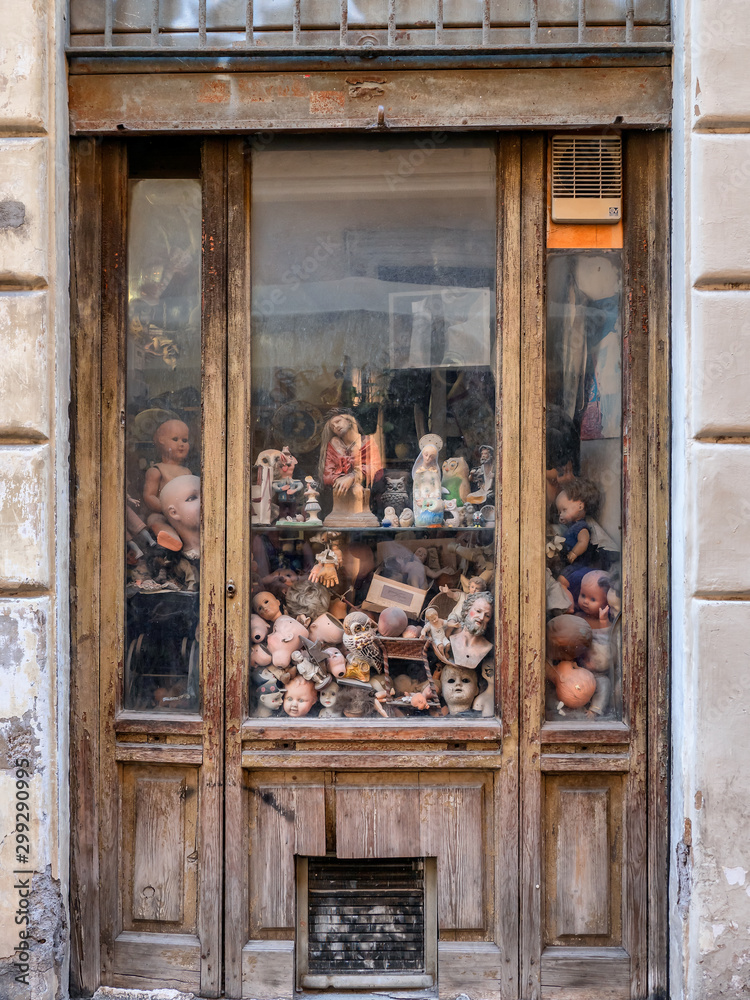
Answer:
(366, 916)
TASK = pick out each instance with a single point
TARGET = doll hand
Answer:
(572, 557)
(604, 613)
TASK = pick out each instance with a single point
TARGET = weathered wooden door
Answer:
(149, 307)
(200, 808)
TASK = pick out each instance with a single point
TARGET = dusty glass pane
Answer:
(163, 452)
(584, 485)
(373, 430)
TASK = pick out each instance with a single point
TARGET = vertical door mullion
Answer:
(508, 410)
(238, 557)
(212, 590)
(112, 504)
(532, 588)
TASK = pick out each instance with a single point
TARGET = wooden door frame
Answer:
(101, 732)
(529, 748)
(639, 746)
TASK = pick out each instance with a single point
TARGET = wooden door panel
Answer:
(583, 821)
(159, 870)
(285, 819)
(150, 961)
(378, 822)
(452, 825)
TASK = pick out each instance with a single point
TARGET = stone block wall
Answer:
(34, 381)
(710, 904)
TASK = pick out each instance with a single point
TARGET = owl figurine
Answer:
(363, 648)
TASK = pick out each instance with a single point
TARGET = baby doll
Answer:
(434, 630)
(300, 697)
(592, 599)
(573, 502)
(267, 606)
(328, 698)
(173, 444)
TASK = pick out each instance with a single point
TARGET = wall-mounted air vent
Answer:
(366, 924)
(586, 178)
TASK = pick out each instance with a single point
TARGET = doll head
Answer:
(269, 692)
(576, 500)
(181, 502)
(431, 616)
(328, 695)
(593, 596)
(477, 585)
(336, 662)
(172, 440)
(476, 613)
(266, 604)
(259, 628)
(300, 697)
(459, 687)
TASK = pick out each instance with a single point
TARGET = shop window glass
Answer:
(584, 486)
(163, 446)
(373, 430)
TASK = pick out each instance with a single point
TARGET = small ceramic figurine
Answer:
(390, 518)
(181, 506)
(427, 489)
(267, 605)
(364, 650)
(286, 488)
(468, 645)
(349, 462)
(430, 511)
(307, 668)
(270, 694)
(452, 514)
(459, 688)
(328, 698)
(267, 469)
(406, 518)
(483, 477)
(456, 480)
(485, 701)
(434, 630)
(394, 494)
(299, 698)
(312, 507)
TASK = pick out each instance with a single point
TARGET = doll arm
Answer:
(584, 536)
(151, 490)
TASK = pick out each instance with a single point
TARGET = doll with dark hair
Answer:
(578, 500)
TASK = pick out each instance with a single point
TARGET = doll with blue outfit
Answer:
(577, 500)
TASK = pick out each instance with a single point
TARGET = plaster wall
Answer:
(710, 883)
(34, 381)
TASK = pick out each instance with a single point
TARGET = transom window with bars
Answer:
(410, 24)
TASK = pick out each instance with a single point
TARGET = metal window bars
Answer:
(354, 24)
